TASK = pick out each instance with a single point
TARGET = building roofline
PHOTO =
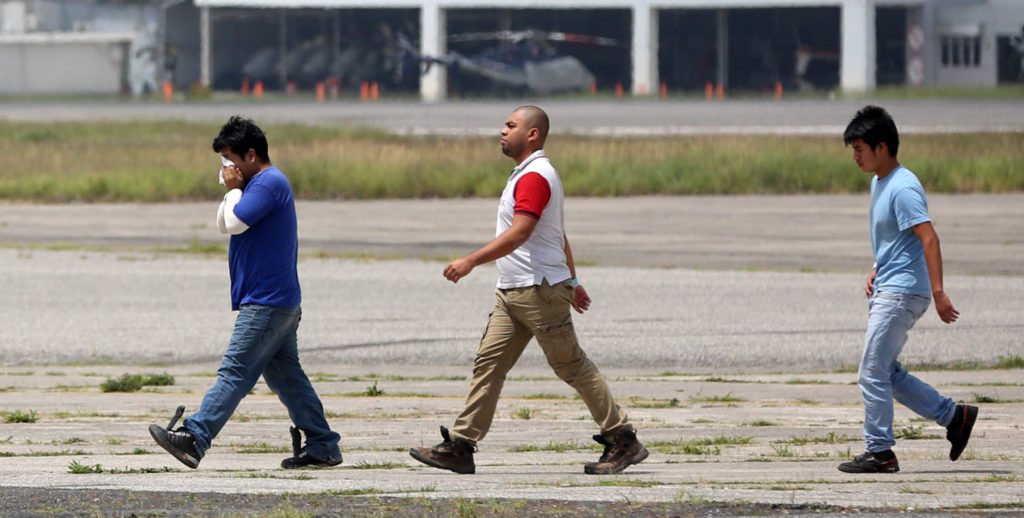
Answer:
(67, 37)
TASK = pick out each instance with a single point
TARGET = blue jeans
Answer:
(882, 378)
(264, 342)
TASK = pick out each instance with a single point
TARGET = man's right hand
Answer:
(232, 177)
(869, 287)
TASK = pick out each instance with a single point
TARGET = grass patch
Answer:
(373, 391)
(913, 433)
(699, 446)
(78, 468)
(991, 505)
(829, 438)
(1010, 362)
(761, 422)
(380, 465)
(909, 490)
(983, 398)
(524, 413)
(135, 382)
(654, 403)
(18, 416)
(728, 398)
(782, 451)
(557, 447)
(160, 161)
(260, 447)
(544, 395)
(719, 379)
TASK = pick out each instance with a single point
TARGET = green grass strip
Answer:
(169, 161)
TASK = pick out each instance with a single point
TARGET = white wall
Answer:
(987, 19)
(61, 67)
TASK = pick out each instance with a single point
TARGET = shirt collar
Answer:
(522, 165)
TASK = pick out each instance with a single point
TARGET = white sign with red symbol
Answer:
(915, 38)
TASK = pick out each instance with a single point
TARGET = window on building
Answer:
(961, 51)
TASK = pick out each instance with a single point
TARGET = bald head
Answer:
(535, 117)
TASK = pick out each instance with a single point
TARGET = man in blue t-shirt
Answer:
(906, 276)
(259, 213)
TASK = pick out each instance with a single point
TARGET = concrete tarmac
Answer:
(647, 117)
(732, 345)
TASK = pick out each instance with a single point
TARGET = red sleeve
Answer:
(532, 194)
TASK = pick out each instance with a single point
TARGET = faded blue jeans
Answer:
(882, 378)
(264, 342)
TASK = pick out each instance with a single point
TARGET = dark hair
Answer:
(240, 135)
(536, 118)
(873, 125)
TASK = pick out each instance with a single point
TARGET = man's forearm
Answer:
(227, 221)
(933, 258)
(501, 246)
(568, 258)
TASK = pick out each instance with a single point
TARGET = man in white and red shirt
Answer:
(536, 287)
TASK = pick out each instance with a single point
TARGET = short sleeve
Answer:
(532, 194)
(257, 201)
(911, 207)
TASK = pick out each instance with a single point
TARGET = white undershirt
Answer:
(227, 222)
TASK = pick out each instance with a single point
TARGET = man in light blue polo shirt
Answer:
(906, 276)
(259, 212)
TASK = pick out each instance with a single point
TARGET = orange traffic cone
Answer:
(257, 90)
(618, 90)
(364, 91)
(593, 88)
(663, 91)
(320, 92)
(374, 91)
(168, 91)
(708, 90)
(245, 86)
(778, 89)
(720, 91)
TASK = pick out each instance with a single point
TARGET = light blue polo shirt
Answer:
(898, 203)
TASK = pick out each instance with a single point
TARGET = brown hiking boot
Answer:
(620, 452)
(455, 455)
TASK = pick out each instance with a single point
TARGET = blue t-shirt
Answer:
(263, 259)
(898, 204)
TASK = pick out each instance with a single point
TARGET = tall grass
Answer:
(169, 161)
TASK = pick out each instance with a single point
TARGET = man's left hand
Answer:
(580, 299)
(458, 269)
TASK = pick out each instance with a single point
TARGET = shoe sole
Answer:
(157, 432)
(321, 465)
(852, 469)
(971, 415)
(642, 456)
(434, 464)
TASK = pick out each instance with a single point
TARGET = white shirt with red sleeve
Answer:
(534, 189)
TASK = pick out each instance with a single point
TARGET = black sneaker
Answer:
(959, 430)
(869, 462)
(301, 459)
(455, 455)
(622, 451)
(180, 443)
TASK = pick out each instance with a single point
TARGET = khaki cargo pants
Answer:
(520, 314)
